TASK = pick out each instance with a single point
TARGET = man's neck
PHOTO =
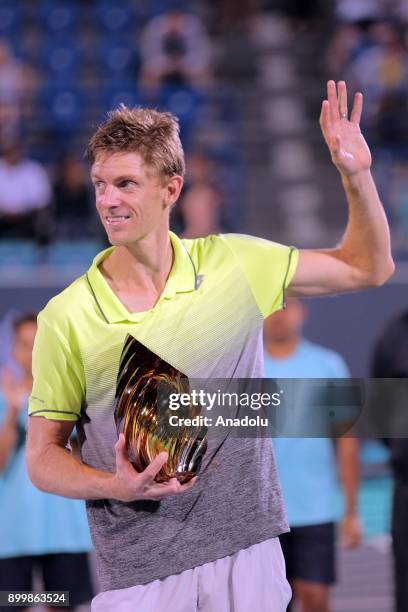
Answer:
(147, 261)
(138, 273)
(282, 349)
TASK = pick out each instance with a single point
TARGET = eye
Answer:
(127, 183)
(98, 184)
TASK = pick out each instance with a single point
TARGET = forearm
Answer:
(57, 470)
(349, 472)
(7, 445)
(365, 245)
(8, 439)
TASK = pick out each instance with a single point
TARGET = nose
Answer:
(109, 197)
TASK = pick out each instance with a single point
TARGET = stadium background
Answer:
(249, 125)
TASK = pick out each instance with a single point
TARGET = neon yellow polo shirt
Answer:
(207, 324)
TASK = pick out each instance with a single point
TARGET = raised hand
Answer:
(348, 148)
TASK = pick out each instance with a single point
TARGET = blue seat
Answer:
(183, 101)
(229, 163)
(60, 16)
(227, 105)
(115, 17)
(121, 92)
(10, 19)
(61, 107)
(60, 57)
(118, 57)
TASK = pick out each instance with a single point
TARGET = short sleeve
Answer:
(268, 267)
(58, 386)
(339, 367)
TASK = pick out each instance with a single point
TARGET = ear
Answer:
(173, 189)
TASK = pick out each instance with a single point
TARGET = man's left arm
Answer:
(363, 259)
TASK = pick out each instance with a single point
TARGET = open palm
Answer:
(348, 148)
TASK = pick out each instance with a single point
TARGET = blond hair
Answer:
(154, 135)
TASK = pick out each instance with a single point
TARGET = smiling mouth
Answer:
(117, 220)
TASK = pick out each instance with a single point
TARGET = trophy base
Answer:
(182, 477)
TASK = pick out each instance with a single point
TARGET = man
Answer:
(174, 48)
(198, 305)
(307, 465)
(24, 198)
(39, 533)
(16, 87)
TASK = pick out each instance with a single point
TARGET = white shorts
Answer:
(251, 580)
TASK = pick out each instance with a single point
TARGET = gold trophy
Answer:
(142, 413)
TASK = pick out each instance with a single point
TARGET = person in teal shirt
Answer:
(38, 531)
(307, 466)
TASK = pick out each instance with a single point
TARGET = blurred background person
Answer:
(369, 49)
(25, 195)
(390, 360)
(72, 200)
(234, 15)
(39, 532)
(271, 172)
(380, 69)
(307, 466)
(348, 40)
(16, 83)
(175, 49)
(201, 202)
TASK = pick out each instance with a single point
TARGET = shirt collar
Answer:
(182, 279)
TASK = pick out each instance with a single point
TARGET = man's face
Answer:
(131, 198)
(286, 324)
(23, 344)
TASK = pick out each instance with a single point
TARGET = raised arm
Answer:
(54, 469)
(363, 258)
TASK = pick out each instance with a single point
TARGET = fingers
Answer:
(333, 101)
(357, 108)
(122, 458)
(148, 475)
(325, 118)
(342, 97)
(338, 103)
(172, 487)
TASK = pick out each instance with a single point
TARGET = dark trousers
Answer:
(400, 545)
